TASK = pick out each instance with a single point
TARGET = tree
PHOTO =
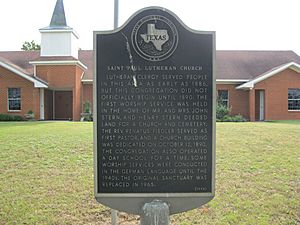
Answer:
(30, 46)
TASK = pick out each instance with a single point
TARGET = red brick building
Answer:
(56, 81)
(260, 85)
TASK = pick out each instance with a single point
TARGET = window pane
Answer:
(14, 93)
(14, 104)
(14, 98)
(223, 97)
(223, 94)
(294, 99)
(294, 104)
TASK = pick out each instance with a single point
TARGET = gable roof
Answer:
(38, 83)
(21, 59)
(87, 58)
(232, 66)
(248, 65)
(248, 85)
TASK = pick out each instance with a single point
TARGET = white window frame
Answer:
(14, 99)
(226, 100)
(298, 99)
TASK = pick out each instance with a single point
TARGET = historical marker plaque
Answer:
(154, 113)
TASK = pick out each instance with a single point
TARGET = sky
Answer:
(239, 24)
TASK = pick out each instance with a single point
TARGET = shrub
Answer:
(29, 115)
(87, 107)
(86, 117)
(6, 117)
(239, 118)
(222, 111)
(236, 118)
(222, 114)
(87, 114)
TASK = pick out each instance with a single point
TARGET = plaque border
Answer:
(114, 200)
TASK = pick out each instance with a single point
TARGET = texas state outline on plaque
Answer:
(157, 37)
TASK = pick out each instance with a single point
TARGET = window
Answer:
(294, 99)
(14, 99)
(223, 97)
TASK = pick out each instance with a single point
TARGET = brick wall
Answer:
(64, 77)
(29, 95)
(87, 94)
(276, 95)
(68, 77)
(57, 76)
(238, 99)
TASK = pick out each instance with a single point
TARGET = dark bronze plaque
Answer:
(154, 108)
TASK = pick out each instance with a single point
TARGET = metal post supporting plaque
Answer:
(114, 217)
(155, 213)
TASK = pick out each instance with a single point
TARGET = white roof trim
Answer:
(249, 85)
(37, 83)
(65, 62)
(71, 30)
(230, 81)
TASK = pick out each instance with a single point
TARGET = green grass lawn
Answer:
(46, 175)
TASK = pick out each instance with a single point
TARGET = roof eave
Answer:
(37, 83)
(246, 86)
(231, 81)
(63, 62)
(295, 67)
(249, 85)
(59, 30)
